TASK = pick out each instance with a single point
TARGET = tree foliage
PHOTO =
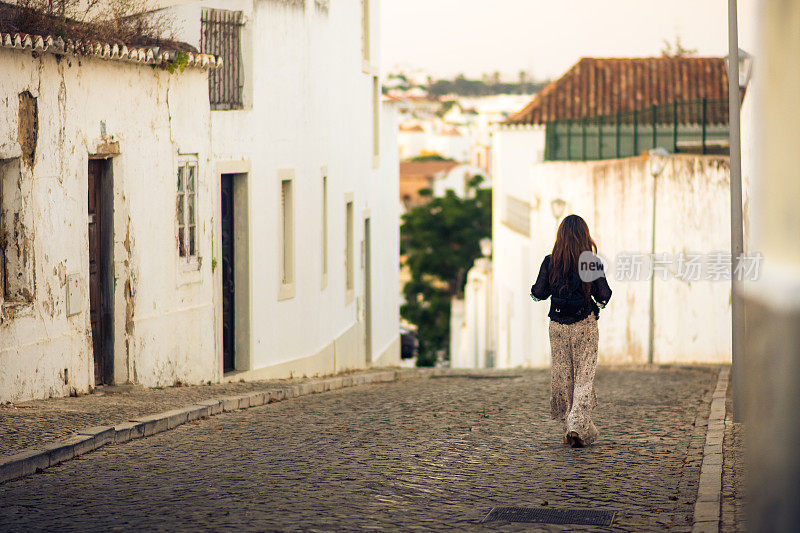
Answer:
(439, 241)
(128, 22)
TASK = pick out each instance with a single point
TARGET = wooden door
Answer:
(95, 265)
(228, 286)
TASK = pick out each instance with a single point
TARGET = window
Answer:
(220, 34)
(376, 121)
(324, 228)
(348, 250)
(365, 37)
(187, 207)
(286, 235)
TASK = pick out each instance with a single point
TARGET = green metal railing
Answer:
(681, 127)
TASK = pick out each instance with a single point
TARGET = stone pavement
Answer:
(38, 422)
(733, 474)
(417, 454)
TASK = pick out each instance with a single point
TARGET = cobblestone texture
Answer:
(734, 519)
(420, 454)
(37, 422)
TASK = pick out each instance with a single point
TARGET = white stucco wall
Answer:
(615, 197)
(312, 108)
(163, 326)
(514, 151)
(309, 108)
(471, 323)
(456, 180)
(412, 143)
(692, 318)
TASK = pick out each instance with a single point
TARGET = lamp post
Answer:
(736, 77)
(657, 159)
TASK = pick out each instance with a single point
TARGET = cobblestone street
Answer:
(417, 454)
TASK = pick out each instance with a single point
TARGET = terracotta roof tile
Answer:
(606, 86)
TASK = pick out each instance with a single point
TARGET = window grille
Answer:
(221, 35)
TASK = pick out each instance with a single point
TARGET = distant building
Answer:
(575, 148)
(457, 180)
(418, 175)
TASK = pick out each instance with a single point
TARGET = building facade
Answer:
(97, 285)
(254, 206)
(615, 195)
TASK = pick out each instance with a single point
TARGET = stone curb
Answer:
(709, 490)
(37, 458)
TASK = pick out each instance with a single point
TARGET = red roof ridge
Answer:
(597, 86)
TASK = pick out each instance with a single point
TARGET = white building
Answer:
(457, 180)
(317, 292)
(286, 263)
(96, 287)
(615, 196)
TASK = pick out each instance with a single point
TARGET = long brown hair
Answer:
(572, 240)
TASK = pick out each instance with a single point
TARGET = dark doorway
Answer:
(100, 202)
(228, 270)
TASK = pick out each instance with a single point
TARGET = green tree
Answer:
(439, 242)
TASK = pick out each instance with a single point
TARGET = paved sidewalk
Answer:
(733, 517)
(38, 422)
(424, 454)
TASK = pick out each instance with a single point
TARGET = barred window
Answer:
(221, 35)
(187, 207)
(365, 33)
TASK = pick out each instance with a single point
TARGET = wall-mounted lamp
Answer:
(745, 68)
(558, 205)
(486, 246)
(657, 161)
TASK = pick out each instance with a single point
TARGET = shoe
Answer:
(574, 440)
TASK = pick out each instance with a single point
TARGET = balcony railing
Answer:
(699, 127)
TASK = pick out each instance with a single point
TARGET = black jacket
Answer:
(568, 303)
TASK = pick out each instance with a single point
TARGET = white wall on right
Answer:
(692, 318)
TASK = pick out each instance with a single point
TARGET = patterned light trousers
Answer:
(574, 359)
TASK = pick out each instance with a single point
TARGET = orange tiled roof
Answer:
(605, 86)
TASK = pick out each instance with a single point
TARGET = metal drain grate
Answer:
(582, 517)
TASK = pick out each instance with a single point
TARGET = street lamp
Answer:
(657, 159)
(745, 62)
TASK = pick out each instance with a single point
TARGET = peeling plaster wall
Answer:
(163, 317)
(692, 320)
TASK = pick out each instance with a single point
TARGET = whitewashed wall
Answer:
(514, 152)
(412, 143)
(163, 327)
(456, 180)
(471, 322)
(309, 106)
(692, 320)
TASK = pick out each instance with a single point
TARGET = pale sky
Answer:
(544, 37)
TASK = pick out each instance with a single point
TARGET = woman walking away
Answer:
(573, 278)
